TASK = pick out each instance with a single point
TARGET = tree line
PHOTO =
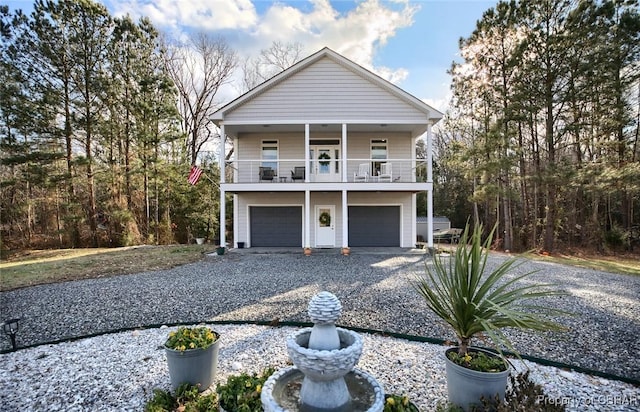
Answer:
(102, 117)
(542, 134)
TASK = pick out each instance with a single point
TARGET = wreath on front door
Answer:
(324, 156)
(325, 219)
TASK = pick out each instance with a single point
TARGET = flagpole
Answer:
(195, 174)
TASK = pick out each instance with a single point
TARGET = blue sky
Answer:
(411, 43)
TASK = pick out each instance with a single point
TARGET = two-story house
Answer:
(325, 156)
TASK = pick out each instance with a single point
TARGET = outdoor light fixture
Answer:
(10, 328)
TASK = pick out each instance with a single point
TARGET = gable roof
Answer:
(429, 112)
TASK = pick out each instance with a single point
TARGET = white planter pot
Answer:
(466, 387)
(195, 366)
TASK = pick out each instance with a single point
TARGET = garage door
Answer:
(276, 226)
(374, 226)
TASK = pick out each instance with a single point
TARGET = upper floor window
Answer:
(379, 151)
(269, 154)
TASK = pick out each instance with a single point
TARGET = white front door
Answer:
(326, 165)
(325, 226)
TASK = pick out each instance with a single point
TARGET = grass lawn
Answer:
(36, 267)
(614, 264)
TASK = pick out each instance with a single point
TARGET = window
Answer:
(378, 153)
(270, 155)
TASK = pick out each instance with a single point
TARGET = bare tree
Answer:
(271, 61)
(198, 71)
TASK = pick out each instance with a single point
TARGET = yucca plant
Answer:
(474, 301)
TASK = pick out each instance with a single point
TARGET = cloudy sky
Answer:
(411, 43)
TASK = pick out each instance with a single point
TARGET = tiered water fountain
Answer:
(324, 378)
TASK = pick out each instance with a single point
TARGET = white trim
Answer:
(323, 121)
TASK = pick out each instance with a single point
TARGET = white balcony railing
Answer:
(329, 170)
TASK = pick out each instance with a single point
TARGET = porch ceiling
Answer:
(414, 128)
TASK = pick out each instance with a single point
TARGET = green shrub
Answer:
(241, 393)
(187, 398)
(185, 338)
(397, 403)
(478, 361)
(523, 395)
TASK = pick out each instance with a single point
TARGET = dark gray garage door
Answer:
(374, 225)
(276, 226)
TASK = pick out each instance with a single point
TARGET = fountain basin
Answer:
(325, 365)
(281, 393)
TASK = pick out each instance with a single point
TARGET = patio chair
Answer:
(297, 173)
(362, 175)
(266, 173)
(385, 174)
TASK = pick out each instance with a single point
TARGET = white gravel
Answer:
(118, 371)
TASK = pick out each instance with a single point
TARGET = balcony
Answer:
(328, 174)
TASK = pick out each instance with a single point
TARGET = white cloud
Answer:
(439, 104)
(194, 14)
(357, 34)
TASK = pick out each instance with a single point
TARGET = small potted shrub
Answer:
(477, 302)
(192, 356)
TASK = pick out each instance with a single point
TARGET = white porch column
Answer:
(223, 216)
(345, 220)
(306, 153)
(236, 229)
(344, 153)
(307, 218)
(430, 190)
(221, 154)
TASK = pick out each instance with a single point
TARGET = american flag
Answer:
(194, 175)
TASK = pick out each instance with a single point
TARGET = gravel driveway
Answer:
(374, 290)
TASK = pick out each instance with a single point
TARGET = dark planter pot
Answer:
(466, 387)
(220, 250)
(195, 366)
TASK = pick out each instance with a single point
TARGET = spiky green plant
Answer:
(473, 300)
